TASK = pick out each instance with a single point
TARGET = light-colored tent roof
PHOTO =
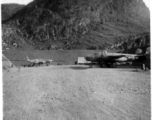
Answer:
(6, 62)
(82, 60)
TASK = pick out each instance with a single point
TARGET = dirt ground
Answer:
(76, 93)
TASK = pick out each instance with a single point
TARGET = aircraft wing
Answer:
(115, 56)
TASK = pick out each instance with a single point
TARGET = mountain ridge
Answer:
(8, 10)
(75, 24)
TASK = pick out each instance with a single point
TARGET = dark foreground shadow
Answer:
(87, 67)
(133, 69)
(79, 68)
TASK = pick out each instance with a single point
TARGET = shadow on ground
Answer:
(133, 69)
(80, 68)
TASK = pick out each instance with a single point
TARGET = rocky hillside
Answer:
(77, 24)
(8, 10)
(136, 41)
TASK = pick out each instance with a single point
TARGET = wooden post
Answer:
(19, 68)
(143, 66)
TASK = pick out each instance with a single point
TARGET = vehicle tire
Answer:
(111, 65)
(107, 65)
(114, 65)
(90, 66)
(101, 65)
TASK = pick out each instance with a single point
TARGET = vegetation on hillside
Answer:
(79, 24)
(8, 10)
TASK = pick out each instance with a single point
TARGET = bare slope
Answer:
(81, 24)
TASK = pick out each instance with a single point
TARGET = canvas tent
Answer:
(6, 62)
(82, 60)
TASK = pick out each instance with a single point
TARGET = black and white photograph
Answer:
(76, 59)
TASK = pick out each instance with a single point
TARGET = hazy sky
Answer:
(147, 2)
(16, 1)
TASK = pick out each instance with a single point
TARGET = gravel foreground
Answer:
(76, 93)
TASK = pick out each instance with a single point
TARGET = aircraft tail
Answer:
(28, 58)
(104, 54)
(148, 50)
(138, 51)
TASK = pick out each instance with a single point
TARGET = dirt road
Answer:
(76, 93)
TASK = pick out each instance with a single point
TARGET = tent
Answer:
(6, 62)
(82, 60)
